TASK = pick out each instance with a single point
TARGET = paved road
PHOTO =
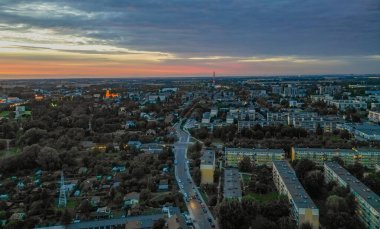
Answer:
(200, 216)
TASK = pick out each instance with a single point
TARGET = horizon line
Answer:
(12, 78)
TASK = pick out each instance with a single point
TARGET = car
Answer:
(204, 210)
(179, 181)
(209, 219)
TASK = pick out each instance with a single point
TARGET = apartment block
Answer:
(368, 203)
(258, 156)
(320, 155)
(206, 117)
(229, 118)
(345, 104)
(250, 124)
(302, 206)
(366, 156)
(214, 112)
(374, 116)
(232, 187)
(243, 113)
(362, 131)
(207, 167)
(329, 89)
(310, 123)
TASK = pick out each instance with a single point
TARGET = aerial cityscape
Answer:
(201, 114)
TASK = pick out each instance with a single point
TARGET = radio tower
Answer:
(213, 79)
(62, 201)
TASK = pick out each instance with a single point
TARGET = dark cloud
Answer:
(216, 27)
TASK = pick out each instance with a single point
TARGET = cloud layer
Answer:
(183, 37)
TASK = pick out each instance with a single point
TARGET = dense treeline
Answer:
(234, 214)
(279, 136)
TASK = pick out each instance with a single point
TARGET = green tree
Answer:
(286, 223)
(313, 183)
(357, 170)
(85, 207)
(373, 182)
(336, 203)
(306, 226)
(159, 224)
(319, 130)
(230, 215)
(275, 210)
(261, 222)
(66, 217)
(303, 167)
(245, 165)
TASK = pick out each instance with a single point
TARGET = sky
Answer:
(140, 38)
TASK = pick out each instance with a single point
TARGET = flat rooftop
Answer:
(355, 184)
(366, 128)
(232, 188)
(293, 185)
(208, 157)
(206, 115)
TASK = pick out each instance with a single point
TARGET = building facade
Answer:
(302, 207)
(374, 116)
(258, 156)
(368, 203)
(366, 156)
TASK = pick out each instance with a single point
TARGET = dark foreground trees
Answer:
(234, 214)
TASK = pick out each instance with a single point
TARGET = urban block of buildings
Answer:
(302, 206)
(368, 203)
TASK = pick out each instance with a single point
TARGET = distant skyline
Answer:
(116, 38)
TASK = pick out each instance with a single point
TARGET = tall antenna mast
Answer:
(62, 201)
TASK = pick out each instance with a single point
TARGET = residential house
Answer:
(131, 199)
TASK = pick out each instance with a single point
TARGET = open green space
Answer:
(264, 198)
(72, 203)
(246, 178)
(4, 114)
(11, 152)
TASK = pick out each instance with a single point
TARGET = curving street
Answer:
(198, 210)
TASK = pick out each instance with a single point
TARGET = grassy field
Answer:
(246, 177)
(4, 114)
(264, 198)
(204, 196)
(72, 203)
(11, 152)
